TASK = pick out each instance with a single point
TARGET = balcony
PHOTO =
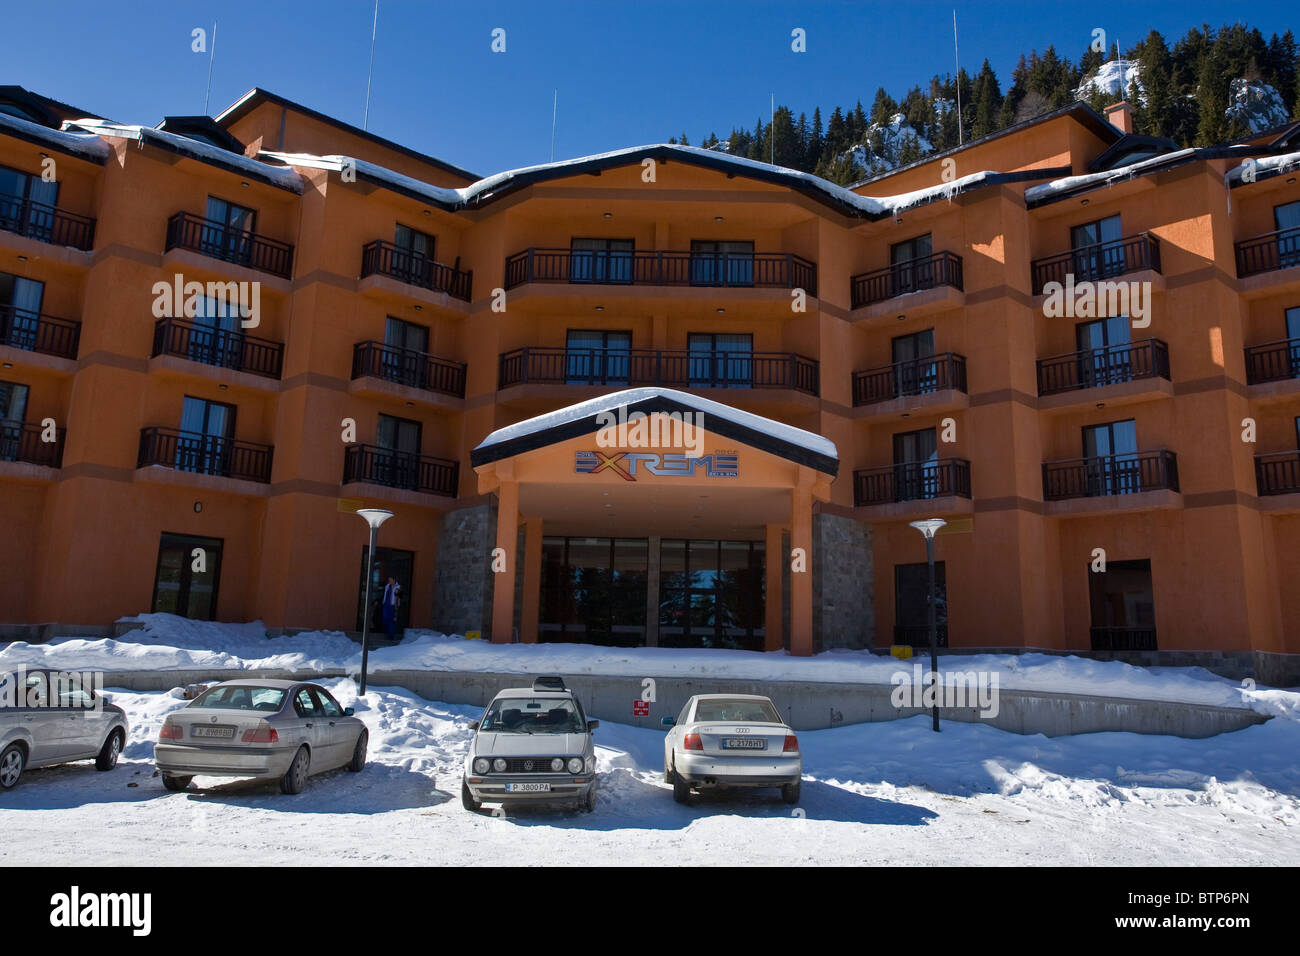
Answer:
(1268, 253)
(395, 469)
(408, 367)
(1273, 362)
(219, 241)
(912, 481)
(21, 442)
(1105, 260)
(204, 454)
(679, 368)
(770, 270)
(934, 373)
(37, 332)
(1278, 474)
(387, 259)
(914, 275)
(1109, 475)
(223, 348)
(1096, 368)
(1123, 638)
(36, 220)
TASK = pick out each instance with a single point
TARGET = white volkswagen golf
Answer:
(731, 740)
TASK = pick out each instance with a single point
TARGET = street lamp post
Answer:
(928, 527)
(373, 517)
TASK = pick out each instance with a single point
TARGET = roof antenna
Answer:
(555, 106)
(212, 55)
(771, 138)
(374, 27)
(957, 80)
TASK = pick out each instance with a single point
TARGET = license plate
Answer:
(744, 743)
(224, 733)
(528, 788)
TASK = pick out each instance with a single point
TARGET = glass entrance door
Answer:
(388, 561)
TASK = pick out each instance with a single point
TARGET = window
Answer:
(1123, 606)
(1112, 466)
(736, 710)
(267, 700)
(189, 569)
(406, 358)
(912, 604)
(206, 430)
(916, 465)
(593, 590)
(913, 377)
(20, 308)
(326, 704)
(722, 263)
(13, 411)
(412, 259)
(216, 338)
(711, 594)
(1293, 340)
(397, 463)
(1286, 218)
(304, 703)
(911, 265)
(228, 234)
(413, 242)
(597, 357)
(721, 360)
(1098, 253)
(1104, 357)
(533, 715)
(601, 260)
(27, 204)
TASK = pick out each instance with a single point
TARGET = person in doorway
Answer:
(392, 600)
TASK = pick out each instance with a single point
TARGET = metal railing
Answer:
(37, 220)
(918, 635)
(1273, 361)
(912, 481)
(1106, 475)
(1103, 260)
(778, 270)
(389, 259)
(205, 454)
(36, 332)
(24, 441)
(218, 240)
(913, 275)
(408, 367)
(224, 348)
(670, 367)
(915, 377)
(1269, 252)
(1123, 638)
(1093, 368)
(1278, 474)
(397, 469)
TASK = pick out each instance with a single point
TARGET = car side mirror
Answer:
(473, 725)
(592, 724)
(668, 722)
(349, 711)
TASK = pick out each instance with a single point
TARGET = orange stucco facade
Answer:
(83, 534)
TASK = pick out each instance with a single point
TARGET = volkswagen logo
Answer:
(528, 765)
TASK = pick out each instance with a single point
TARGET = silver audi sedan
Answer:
(267, 729)
(731, 740)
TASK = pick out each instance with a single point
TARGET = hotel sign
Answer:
(627, 464)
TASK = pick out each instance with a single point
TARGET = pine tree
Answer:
(988, 102)
(1212, 99)
(1154, 114)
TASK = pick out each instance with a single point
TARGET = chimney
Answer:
(1120, 115)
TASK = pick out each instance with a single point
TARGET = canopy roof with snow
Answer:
(784, 441)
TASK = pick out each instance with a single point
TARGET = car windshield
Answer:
(737, 709)
(533, 715)
(242, 697)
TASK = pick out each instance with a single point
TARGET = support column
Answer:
(503, 589)
(774, 560)
(801, 583)
(532, 580)
(652, 593)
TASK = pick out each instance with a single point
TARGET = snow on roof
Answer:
(1280, 163)
(280, 175)
(83, 144)
(1057, 186)
(478, 191)
(631, 396)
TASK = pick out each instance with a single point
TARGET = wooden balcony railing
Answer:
(1093, 368)
(205, 454)
(23, 441)
(1104, 260)
(219, 241)
(224, 348)
(1269, 252)
(1273, 362)
(1110, 475)
(681, 368)
(912, 481)
(388, 259)
(37, 332)
(36, 220)
(778, 270)
(1278, 474)
(408, 367)
(916, 377)
(396, 469)
(914, 275)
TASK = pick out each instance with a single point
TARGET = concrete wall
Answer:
(843, 612)
(462, 599)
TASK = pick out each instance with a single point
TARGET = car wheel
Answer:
(358, 762)
(790, 792)
(295, 778)
(175, 784)
(467, 799)
(589, 801)
(112, 749)
(12, 762)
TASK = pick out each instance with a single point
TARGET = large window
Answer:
(397, 464)
(711, 594)
(1104, 354)
(911, 264)
(189, 569)
(229, 234)
(597, 357)
(20, 309)
(1111, 450)
(27, 204)
(912, 604)
(916, 465)
(912, 376)
(593, 590)
(721, 361)
(722, 263)
(601, 260)
(13, 410)
(1123, 606)
(1097, 252)
(405, 360)
(1286, 219)
(208, 428)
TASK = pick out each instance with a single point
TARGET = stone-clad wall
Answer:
(843, 612)
(462, 590)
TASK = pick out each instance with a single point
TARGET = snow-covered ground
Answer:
(872, 793)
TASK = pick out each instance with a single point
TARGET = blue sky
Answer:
(628, 71)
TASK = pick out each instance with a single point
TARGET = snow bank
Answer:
(1113, 78)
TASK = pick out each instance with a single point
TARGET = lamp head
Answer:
(374, 516)
(928, 526)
